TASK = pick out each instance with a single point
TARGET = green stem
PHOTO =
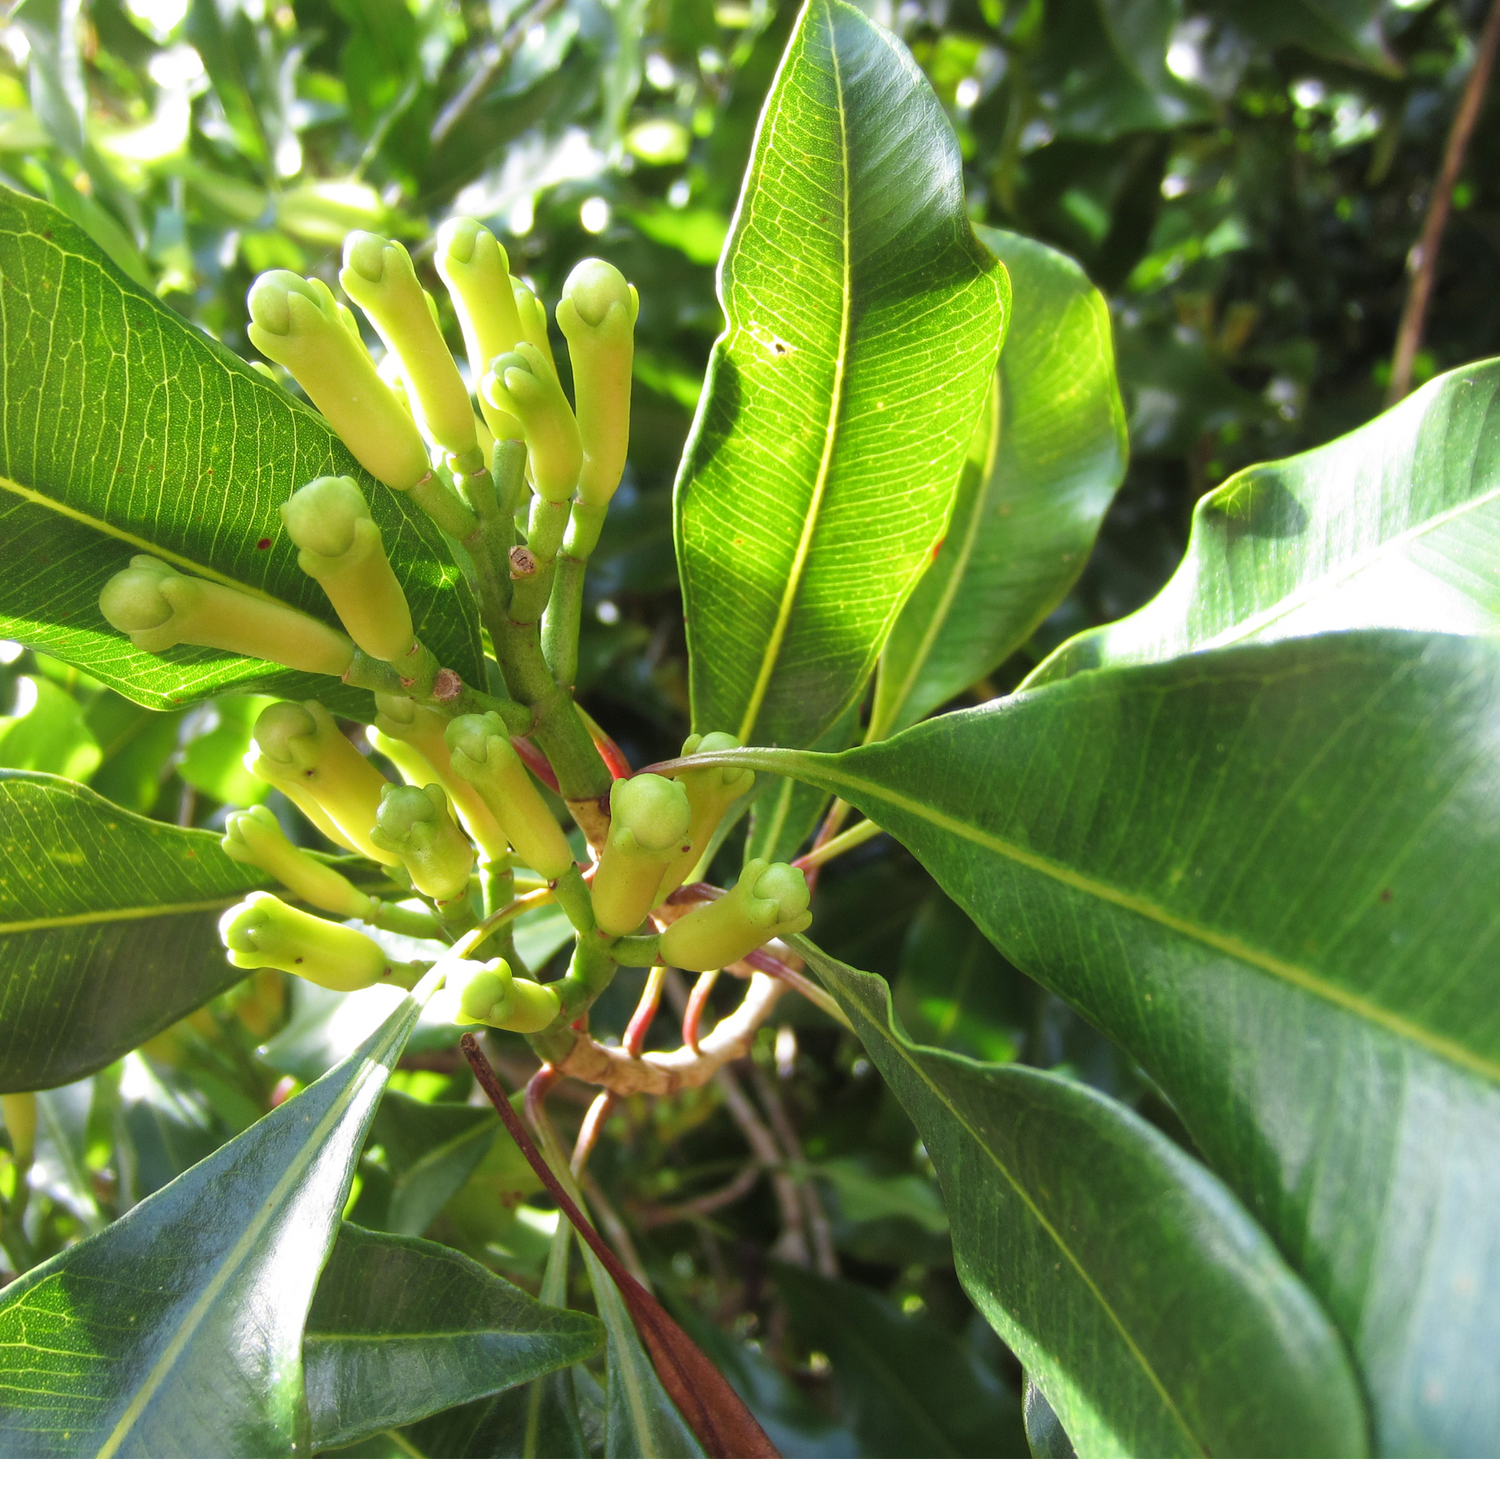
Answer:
(578, 906)
(637, 952)
(392, 918)
(563, 619)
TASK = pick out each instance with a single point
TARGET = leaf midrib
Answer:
(836, 397)
(199, 1309)
(1046, 1224)
(1224, 943)
(121, 914)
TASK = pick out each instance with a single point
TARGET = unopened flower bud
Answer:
(413, 823)
(265, 933)
(298, 324)
(533, 319)
(480, 752)
(158, 608)
(254, 837)
(768, 901)
(597, 316)
(340, 546)
(410, 736)
(648, 828)
(523, 384)
(378, 275)
(476, 271)
(490, 996)
(301, 746)
(710, 792)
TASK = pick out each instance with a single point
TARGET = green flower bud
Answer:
(301, 746)
(490, 996)
(648, 828)
(264, 933)
(341, 547)
(523, 385)
(597, 316)
(254, 837)
(410, 735)
(480, 753)
(533, 318)
(768, 901)
(476, 271)
(158, 608)
(298, 324)
(378, 275)
(710, 792)
(413, 823)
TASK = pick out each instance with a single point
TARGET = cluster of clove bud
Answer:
(466, 788)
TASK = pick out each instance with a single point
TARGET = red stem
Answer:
(709, 1405)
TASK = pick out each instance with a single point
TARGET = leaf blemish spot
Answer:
(262, 544)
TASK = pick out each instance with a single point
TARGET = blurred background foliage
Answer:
(1243, 178)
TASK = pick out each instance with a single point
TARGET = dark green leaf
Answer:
(1156, 1316)
(402, 1328)
(907, 1388)
(1044, 1433)
(107, 928)
(431, 1150)
(1034, 490)
(126, 430)
(1394, 526)
(863, 321)
(1346, 31)
(1268, 872)
(176, 1332)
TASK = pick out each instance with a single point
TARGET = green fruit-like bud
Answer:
(523, 385)
(341, 547)
(264, 933)
(476, 271)
(298, 324)
(413, 823)
(159, 608)
(490, 996)
(254, 837)
(597, 316)
(301, 746)
(768, 901)
(648, 829)
(378, 275)
(480, 753)
(411, 736)
(711, 793)
(533, 319)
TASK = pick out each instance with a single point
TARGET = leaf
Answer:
(214, 762)
(1044, 1433)
(1346, 31)
(1031, 500)
(1268, 873)
(402, 1328)
(906, 1386)
(1393, 526)
(176, 1331)
(51, 736)
(107, 928)
(432, 1149)
(787, 813)
(862, 325)
(126, 430)
(1155, 1315)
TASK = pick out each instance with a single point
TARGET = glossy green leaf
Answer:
(402, 1328)
(214, 762)
(137, 745)
(1044, 1433)
(1035, 488)
(1156, 1316)
(176, 1332)
(1346, 31)
(906, 1386)
(1269, 873)
(862, 326)
(126, 430)
(431, 1150)
(107, 928)
(1394, 526)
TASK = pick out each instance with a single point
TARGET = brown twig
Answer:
(1423, 258)
(819, 1233)
(709, 1405)
(692, 1016)
(634, 1040)
(792, 1245)
(653, 1215)
(588, 1133)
